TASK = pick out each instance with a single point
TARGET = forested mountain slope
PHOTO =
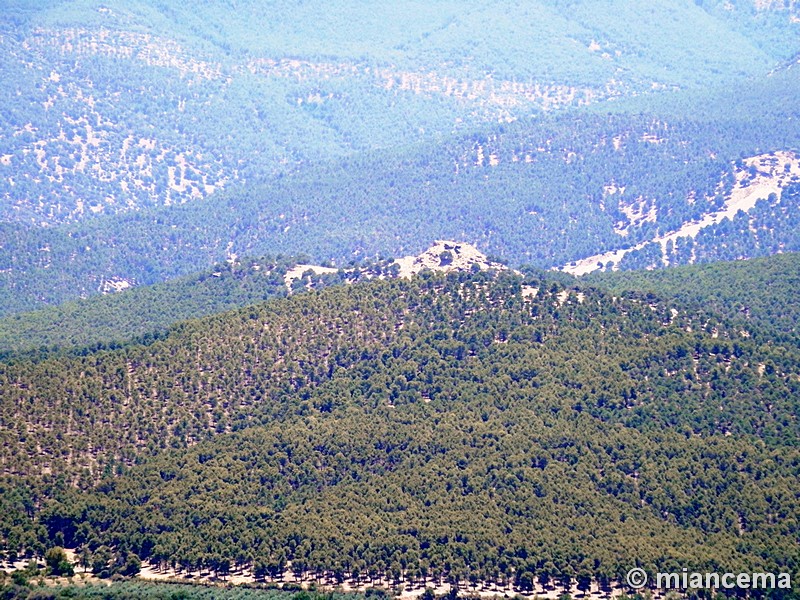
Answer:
(544, 193)
(118, 317)
(756, 216)
(143, 142)
(472, 426)
(145, 313)
(481, 427)
(758, 296)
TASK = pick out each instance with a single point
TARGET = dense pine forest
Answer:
(114, 318)
(757, 295)
(480, 428)
(146, 312)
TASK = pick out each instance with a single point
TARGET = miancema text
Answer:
(686, 580)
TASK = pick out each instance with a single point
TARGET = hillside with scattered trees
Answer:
(143, 143)
(465, 428)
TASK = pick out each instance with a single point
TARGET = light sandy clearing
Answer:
(297, 271)
(405, 591)
(463, 257)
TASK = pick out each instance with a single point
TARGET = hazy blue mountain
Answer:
(146, 140)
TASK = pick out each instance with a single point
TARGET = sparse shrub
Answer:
(57, 562)
(19, 578)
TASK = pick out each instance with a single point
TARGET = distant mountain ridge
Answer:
(146, 143)
(146, 312)
(758, 181)
(249, 364)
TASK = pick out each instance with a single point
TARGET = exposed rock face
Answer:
(443, 256)
(115, 285)
(297, 271)
(446, 256)
(776, 5)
